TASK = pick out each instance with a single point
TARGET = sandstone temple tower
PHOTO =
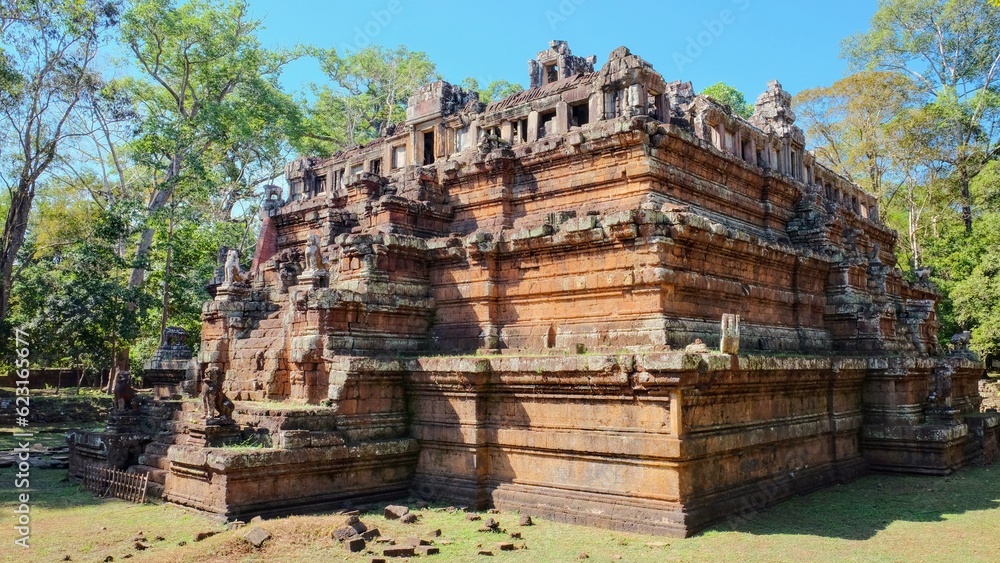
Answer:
(604, 299)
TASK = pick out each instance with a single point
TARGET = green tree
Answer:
(730, 97)
(368, 91)
(852, 125)
(871, 127)
(951, 50)
(77, 293)
(495, 90)
(213, 118)
(46, 70)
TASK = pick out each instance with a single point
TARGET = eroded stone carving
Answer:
(232, 271)
(289, 266)
(730, 343)
(960, 341)
(125, 397)
(314, 256)
(216, 406)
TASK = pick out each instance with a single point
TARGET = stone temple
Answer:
(603, 300)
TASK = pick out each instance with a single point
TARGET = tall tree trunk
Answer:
(966, 200)
(14, 230)
(166, 276)
(160, 198)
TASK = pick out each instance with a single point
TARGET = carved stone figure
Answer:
(289, 265)
(125, 397)
(232, 268)
(213, 400)
(960, 341)
(313, 254)
(173, 337)
(923, 275)
(491, 142)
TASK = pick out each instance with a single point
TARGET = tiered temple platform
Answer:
(604, 300)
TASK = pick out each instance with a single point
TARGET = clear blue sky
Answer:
(745, 43)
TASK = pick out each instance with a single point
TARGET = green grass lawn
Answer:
(876, 518)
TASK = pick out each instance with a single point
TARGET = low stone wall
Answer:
(43, 378)
(656, 443)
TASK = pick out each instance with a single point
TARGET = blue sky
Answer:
(745, 43)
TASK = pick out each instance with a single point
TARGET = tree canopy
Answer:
(918, 124)
(730, 97)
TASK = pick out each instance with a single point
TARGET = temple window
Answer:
(551, 73)
(611, 104)
(398, 157)
(546, 123)
(655, 105)
(356, 171)
(428, 147)
(579, 115)
(375, 166)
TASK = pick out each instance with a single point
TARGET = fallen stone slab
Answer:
(395, 512)
(257, 536)
(344, 533)
(398, 551)
(426, 550)
(415, 541)
(356, 544)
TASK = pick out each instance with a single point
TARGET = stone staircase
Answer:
(170, 417)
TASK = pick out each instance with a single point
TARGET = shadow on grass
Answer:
(861, 509)
(50, 488)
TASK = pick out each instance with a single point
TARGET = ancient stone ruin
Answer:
(604, 300)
